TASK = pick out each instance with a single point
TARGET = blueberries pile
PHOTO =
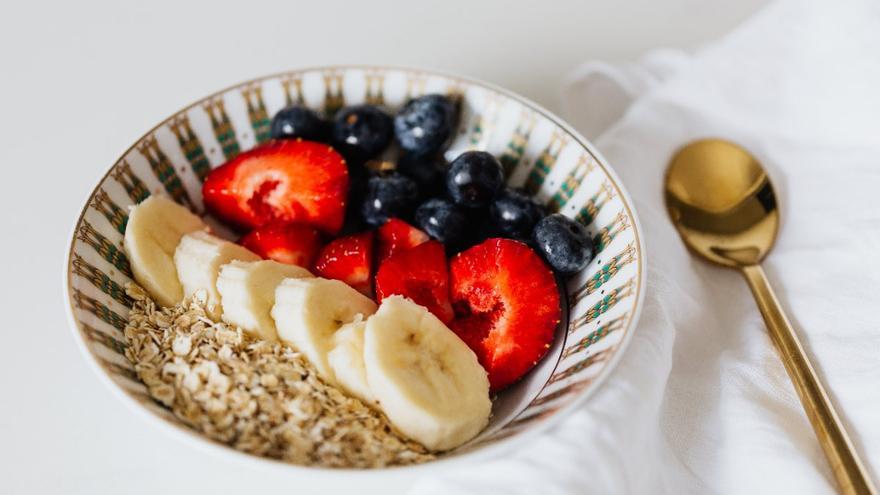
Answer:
(460, 204)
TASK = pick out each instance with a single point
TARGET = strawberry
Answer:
(285, 180)
(349, 259)
(396, 235)
(506, 307)
(289, 243)
(419, 273)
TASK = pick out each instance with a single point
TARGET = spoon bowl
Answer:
(722, 202)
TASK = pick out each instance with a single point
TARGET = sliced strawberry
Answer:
(286, 180)
(506, 307)
(289, 243)
(349, 259)
(419, 273)
(396, 235)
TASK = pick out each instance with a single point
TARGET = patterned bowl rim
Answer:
(191, 437)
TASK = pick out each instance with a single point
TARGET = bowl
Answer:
(539, 151)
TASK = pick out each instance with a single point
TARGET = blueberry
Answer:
(425, 124)
(444, 221)
(474, 178)
(387, 196)
(563, 243)
(428, 171)
(514, 214)
(361, 132)
(297, 121)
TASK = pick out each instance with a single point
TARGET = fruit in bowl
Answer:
(379, 255)
(440, 334)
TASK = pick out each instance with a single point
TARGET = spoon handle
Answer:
(845, 463)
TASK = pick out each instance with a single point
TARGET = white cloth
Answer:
(701, 403)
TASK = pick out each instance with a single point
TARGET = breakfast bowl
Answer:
(539, 153)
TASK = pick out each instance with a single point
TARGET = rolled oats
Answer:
(256, 396)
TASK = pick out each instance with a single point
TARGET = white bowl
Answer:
(545, 155)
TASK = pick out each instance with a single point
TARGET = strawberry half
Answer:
(506, 307)
(285, 180)
(349, 259)
(396, 235)
(420, 274)
(289, 243)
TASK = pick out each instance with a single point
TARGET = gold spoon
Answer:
(723, 205)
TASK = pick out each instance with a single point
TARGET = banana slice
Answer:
(425, 379)
(154, 229)
(347, 360)
(198, 258)
(247, 293)
(308, 311)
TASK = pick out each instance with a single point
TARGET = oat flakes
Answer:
(255, 396)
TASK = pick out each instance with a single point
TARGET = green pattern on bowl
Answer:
(538, 152)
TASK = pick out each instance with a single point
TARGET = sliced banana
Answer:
(347, 360)
(308, 311)
(425, 379)
(198, 258)
(154, 229)
(247, 294)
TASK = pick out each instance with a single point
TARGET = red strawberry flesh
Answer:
(506, 307)
(349, 259)
(421, 274)
(285, 243)
(287, 181)
(396, 235)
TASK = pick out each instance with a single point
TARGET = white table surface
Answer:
(81, 80)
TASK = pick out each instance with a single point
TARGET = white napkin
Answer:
(701, 403)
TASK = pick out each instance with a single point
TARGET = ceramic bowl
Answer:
(540, 152)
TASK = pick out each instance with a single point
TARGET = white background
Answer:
(82, 80)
